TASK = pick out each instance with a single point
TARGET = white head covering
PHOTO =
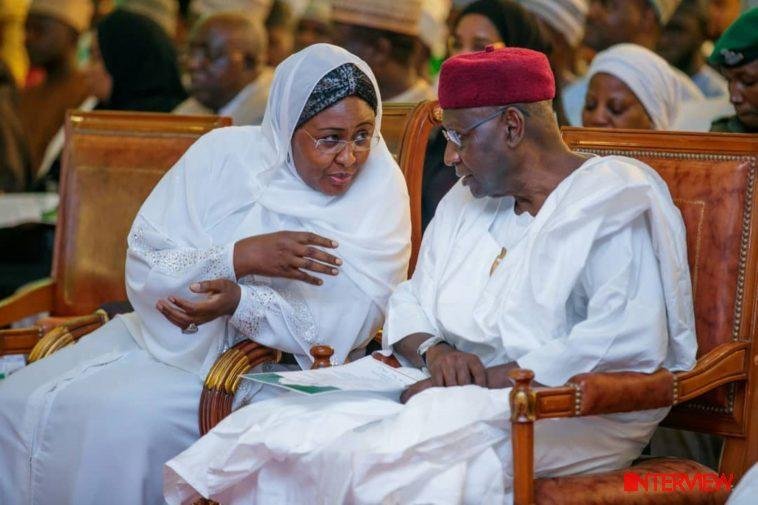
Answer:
(567, 17)
(433, 29)
(353, 219)
(237, 182)
(399, 17)
(649, 77)
(256, 9)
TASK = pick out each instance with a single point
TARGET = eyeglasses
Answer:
(334, 146)
(456, 138)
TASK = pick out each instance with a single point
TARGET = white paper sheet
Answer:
(365, 374)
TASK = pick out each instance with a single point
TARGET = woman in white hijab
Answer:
(270, 233)
(631, 87)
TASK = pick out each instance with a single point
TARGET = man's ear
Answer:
(514, 123)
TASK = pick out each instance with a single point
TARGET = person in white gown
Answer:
(269, 233)
(539, 258)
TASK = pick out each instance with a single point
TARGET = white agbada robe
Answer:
(597, 281)
(95, 422)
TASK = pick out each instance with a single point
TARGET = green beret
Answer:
(739, 43)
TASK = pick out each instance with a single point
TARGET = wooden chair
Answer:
(111, 162)
(712, 178)
(224, 377)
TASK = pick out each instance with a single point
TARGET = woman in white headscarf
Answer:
(632, 87)
(293, 233)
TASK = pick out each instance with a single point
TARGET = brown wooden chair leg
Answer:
(522, 436)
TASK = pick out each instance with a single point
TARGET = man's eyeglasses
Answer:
(456, 138)
(334, 146)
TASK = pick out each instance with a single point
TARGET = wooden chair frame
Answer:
(732, 364)
(58, 294)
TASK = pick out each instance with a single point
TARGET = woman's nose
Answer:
(346, 157)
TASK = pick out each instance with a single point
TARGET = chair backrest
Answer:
(112, 160)
(425, 117)
(395, 118)
(712, 179)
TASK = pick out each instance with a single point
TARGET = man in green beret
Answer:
(736, 54)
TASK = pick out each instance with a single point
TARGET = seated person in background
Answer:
(52, 33)
(631, 87)
(624, 21)
(385, 34)
(315, 25)
(539, 258)
(736, 54)
(134, 65)
(280, 26)
(226, 61)
(480, 24)
(681, 45)
(268, 233)
(15, 167)
(563, 22)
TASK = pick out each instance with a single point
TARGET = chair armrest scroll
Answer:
(223, 380)
(36, 299)
(67, 333)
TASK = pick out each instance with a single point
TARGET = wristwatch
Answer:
(426, 345)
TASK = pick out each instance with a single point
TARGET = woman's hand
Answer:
(450, 367)
(287, 254)
(223, 298)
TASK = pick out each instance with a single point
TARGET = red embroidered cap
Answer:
(495, 76)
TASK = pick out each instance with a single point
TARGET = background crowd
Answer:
(647, 64)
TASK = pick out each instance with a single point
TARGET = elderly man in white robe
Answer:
(226, 62)
(540, 258)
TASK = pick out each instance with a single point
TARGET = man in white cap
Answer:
(563, 21)
(226, 64)
(52, 29)
(615, 22)
(385, 34)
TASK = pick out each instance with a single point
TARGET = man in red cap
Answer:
(539, 258)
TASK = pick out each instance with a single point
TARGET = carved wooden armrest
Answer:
(19, 341)
(224, 378)
(67, 333)
(608, 393)
(52, 334)
(27, 302)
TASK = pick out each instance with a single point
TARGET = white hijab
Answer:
(240, 181)
(649, 76)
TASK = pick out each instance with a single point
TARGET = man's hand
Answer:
(449, 367)
(223, 298)
(415, 389)
(288, 254)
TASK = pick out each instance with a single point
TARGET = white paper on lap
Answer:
(366, 374)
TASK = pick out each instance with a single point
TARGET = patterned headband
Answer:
(342, 82)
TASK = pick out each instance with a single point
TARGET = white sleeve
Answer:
(290, 324)
(280, 317)
(625, 326)
(411, 306)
